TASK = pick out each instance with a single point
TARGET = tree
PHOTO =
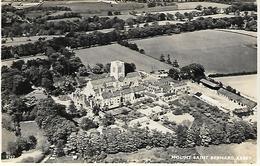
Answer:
(59, 148)
(96, 110)
(162, 58)
(199, 7)
(129, 68)
(32, 141)
(72, 108)
(87, 124)
(175, 63)
(174, 73)
(181, 135)
(108, 120)
(204, 135)
(169, 59)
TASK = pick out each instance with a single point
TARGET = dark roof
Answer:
(240, 99)
(209, 83)
(132, 75)
(198, 94)
(126, 91)
(168, 94)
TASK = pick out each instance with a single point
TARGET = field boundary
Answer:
(224, 30)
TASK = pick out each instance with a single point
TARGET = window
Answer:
(119, 69)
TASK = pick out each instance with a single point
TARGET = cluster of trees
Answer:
(60, 16)
(112, 141)
(54, 120)
(212, 126)
(132, 46)
(240, 6)
(193, 71)
(21, 144)
(12, 15)
(233, 90)
(41, 27)
(173, 63)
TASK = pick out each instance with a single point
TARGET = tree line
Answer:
(75, 40)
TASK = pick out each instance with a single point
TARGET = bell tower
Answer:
(117, 69)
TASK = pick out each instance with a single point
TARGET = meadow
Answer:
(92, 7)
(217, 51)
(106, 54)
(192, 5)
(246, 84)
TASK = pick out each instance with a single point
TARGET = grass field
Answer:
(192, 5)
(8, 63)
(247, 150)
(31, 128)
(217, 51)
(106, 54)
(7, 136)
(92, 7)
(246, 84)
(24, 40)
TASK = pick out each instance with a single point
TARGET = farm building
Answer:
(237, 99)
(209, 84)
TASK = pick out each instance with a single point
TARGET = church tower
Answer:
(117, 69)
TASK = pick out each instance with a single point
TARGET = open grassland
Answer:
(192, 5)
(7, 136)
(8, 63)
(91, 7)
(246, 84)
(24, 40)
(217, 51)
(106, 54)
(245, 150)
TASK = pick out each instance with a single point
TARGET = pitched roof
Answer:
(101, 81)
(138, 88)
(132, 75)
(168, 94)
(126, 91)
(241, 99)
(107, 95)
(209, 83)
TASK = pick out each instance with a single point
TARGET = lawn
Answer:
(106, 54)
(247, 150)
(246, 84)
(7, 136)
(217, 51)
(31, 128)
(155, 155)
(192, 5)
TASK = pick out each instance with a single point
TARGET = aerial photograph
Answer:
(129, 81)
